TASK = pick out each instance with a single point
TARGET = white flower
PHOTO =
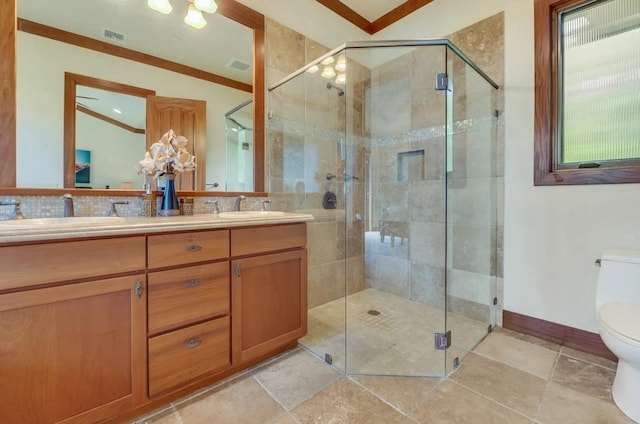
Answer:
(169, 154)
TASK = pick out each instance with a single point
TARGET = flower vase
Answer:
(170, 205)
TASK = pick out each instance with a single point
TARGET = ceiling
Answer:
(373, 15)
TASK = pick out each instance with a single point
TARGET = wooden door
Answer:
(73, 353)
(269, 303)
(187, 118)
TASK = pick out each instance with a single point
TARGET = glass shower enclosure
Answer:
(392, 147)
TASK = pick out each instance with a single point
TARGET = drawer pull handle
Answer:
(193, 283)
(193, 343)
(193, 248)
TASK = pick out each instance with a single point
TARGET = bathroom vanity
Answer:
(102, 324)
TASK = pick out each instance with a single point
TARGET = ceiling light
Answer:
(162, 6)
(328, 61)
(208, 6)
(328, 72)
(341, 64)
(313, 69)
(117, 110)
(341, 78)
(194, 18)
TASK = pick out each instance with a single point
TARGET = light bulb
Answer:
(208, 6)
(341, 78)
(162, 6)
(328, 61)
(313, 69)
(194, 18)
(341, 64)
(328, 72)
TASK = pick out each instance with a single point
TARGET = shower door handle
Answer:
(359, 217)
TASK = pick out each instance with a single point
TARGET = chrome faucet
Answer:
(236, 206)
(265, 203)
(113, 211)
(17, 212)
(68, 205)
(215, 210)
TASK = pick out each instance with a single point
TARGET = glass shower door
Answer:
(395, 222)
(471, 212)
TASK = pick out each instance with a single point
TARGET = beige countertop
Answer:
(22, 232)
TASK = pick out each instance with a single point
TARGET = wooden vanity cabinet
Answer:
(72, 352)
(269, 289)
(189, 305)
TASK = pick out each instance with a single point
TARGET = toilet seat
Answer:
(622, 319)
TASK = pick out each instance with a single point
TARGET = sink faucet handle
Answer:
(113, 211)
(17, 212)
(215, 210)
(265, 203)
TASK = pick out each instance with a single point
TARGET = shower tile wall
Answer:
(306, 145)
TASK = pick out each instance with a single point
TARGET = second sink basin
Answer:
(79, 221)
(251, 214)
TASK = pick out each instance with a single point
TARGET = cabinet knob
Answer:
(192, 284)
(193, 248)
(138, 289)
(193, 343)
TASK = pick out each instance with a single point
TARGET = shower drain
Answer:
(373, 312)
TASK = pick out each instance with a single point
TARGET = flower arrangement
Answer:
(167, 155)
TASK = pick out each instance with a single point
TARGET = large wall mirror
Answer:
(126, 44)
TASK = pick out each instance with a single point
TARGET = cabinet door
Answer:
(73, 353)
(269, 303)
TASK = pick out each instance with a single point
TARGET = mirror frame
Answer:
(229, 8)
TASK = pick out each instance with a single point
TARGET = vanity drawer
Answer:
(249, 241)
(52, 262)
(182, 296)
(184, 248)
(185, 355)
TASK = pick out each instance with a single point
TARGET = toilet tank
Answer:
(619, 277)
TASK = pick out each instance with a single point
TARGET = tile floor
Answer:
(508, 378)
(397, 341)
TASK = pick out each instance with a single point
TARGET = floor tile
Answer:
(167, 416)
(504, 384)
(567, 406)
(346, 402)
(404, 393)
(241, 401)
(284, 419)
(587, 357)
(451, 403)
(295, 378)
(525, 356)
(584, 377)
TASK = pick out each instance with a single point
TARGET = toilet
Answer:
(618, 314)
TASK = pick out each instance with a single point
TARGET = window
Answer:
(587, 92)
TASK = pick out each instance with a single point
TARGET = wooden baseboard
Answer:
(557, 333)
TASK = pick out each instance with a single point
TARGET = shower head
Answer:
(340, 90)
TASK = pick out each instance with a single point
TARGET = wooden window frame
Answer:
(546, 168)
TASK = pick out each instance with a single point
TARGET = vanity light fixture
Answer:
(328, 72)
(162, 6)
(313, 69)
(328, 61)
(194, 16)
(341, 78)
(341, 63)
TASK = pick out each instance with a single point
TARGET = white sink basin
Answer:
(78, 221)
(251, 214)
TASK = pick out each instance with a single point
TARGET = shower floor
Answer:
(397, 341)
